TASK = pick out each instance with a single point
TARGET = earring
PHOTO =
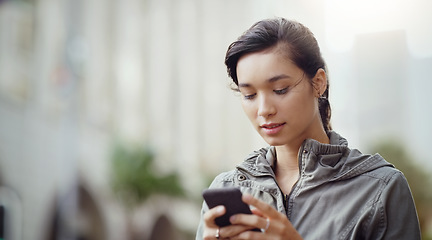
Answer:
(322, 97)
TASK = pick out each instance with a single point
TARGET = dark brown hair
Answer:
(298, 43)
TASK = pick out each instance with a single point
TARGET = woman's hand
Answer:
(274, 224)
(212, 231)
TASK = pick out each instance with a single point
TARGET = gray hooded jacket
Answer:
(340, 194)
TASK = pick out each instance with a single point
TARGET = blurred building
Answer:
(77, 76)
(384, 87)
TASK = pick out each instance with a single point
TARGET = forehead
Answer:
(264, 66)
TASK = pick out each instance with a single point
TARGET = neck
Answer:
(286, 168)
(287, 158)
(287, 155)
(287, 165)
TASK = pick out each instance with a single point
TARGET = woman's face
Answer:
(278, 98)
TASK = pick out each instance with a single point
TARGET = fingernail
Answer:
(247, 196)
(220, 209)
(233, 218)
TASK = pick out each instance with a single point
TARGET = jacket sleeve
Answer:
(395, 215)
(199, 233)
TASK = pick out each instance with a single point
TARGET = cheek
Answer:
(310, 108)
(299, 109)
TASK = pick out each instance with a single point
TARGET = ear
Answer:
(319, 82)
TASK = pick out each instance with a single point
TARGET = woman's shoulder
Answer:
(379, 169)
(388, 173)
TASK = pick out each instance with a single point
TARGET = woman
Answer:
(307, 184)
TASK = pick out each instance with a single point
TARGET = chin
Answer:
(274, 142)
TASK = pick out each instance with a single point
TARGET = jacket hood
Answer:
(319, 162)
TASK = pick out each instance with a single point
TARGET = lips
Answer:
(272, 128)
(272, 125)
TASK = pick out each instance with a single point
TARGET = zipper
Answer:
(294, 187)
(287, 198)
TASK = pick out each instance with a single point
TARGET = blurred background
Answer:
(115, 115)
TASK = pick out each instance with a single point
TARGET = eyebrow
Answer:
(270, 80)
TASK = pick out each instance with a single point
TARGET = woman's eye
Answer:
(249, 96)
(281, 91)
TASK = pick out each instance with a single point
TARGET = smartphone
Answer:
(231, 198)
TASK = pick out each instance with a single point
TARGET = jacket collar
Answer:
(319, 161)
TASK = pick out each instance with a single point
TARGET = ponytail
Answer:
(325, 109)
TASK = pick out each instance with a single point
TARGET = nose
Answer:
(266, 107)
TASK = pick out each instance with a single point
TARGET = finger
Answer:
(233, 230)
(211, 233)
(249, 235)
(253, 221)
(264, 208)
(213, 213)
(257, 212)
